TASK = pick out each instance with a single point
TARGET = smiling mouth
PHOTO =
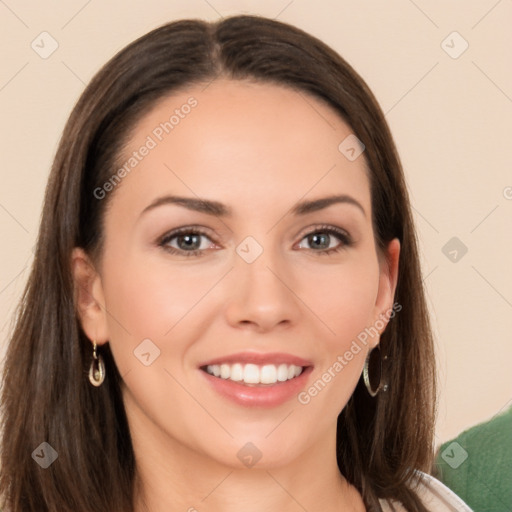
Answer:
(253, 374)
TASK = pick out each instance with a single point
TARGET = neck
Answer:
(173, 477)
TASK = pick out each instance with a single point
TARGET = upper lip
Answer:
(259, 359)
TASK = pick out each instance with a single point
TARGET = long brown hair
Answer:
(46, 396)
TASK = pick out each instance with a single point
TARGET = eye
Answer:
(326, 240)
(192, 241)
(186, 242)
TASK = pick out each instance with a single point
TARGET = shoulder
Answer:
(435, 496)
(494, 434)
(478, 463)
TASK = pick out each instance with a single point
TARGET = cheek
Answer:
(150, 294)
(152, 301)
(343, 298)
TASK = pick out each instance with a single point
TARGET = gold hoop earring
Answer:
(97, 369)
(372, 372)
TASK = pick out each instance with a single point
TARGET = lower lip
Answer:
(259, 396)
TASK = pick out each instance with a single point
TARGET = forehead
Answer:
(235, 141)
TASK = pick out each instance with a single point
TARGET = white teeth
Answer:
(268, 374)
(237, 372)
(225, 371)
(282, 373)
(254, 374)
(251, 374)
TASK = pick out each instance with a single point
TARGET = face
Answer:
(238, 242)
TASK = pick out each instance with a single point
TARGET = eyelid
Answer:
(319, 227)
(194, 229)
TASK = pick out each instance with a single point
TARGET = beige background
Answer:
(451, 118)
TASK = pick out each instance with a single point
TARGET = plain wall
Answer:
(450, 114)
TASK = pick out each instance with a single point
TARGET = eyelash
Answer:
(346, 240)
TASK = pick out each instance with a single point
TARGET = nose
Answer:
(264, 295)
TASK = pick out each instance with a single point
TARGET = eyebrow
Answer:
(198, 205)
(221, 210)
(319, 204)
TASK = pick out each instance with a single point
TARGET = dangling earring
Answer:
(97, 369)
(372, 372)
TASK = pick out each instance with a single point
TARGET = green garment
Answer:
(477, 465)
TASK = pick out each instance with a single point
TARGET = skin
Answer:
(259, 149)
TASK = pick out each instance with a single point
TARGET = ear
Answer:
(89, 298)
(387, 285)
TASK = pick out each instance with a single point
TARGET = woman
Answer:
(226, 305)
